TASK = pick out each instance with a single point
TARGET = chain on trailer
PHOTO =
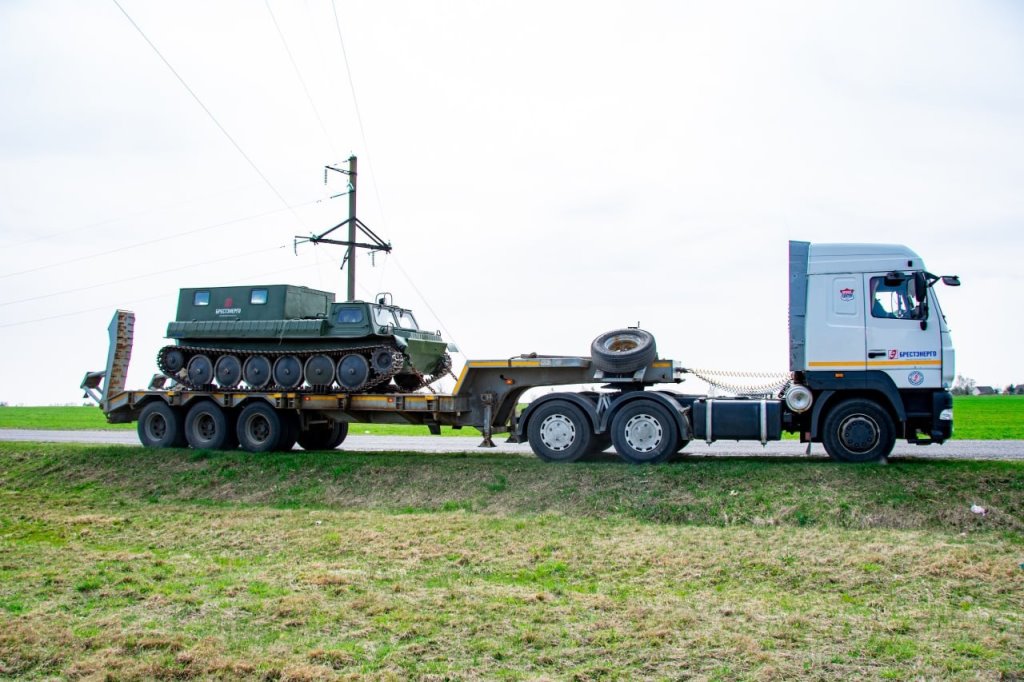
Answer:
(777, 384)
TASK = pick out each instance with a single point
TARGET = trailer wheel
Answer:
(859, 430)
(322, 437)
(559, 432)
(259, 427)
(161, 426)
(208, 428)
(623, 350)
(289, 432)
(644, 432)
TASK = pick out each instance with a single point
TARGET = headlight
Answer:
(946, 415)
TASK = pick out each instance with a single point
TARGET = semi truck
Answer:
(871, 361)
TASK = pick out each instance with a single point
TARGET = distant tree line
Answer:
(968, 386)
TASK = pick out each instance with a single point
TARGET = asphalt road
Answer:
(960, 449)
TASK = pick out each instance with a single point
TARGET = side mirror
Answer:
(951, 280)
(920, 284)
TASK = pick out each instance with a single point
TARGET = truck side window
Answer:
(350, 316)
(201, 298)
(896, 301)
(258, 297)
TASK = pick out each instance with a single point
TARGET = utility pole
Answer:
(375, 243)
(353, 177)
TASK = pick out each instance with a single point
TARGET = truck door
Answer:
(902, 338)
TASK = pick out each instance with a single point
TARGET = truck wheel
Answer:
(858, 430)
(644, 432)
(259, 427)
(322, 437)
(559, 432)
(679, 455)
(623, 350)
(161, 426)
(208, 428)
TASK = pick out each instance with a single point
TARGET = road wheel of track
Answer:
(319, 371)
(559, 432)
(644, 432)
(207, 427)
(228, 371)
(353, 371)
(161, 426)
(200, 370)
(256, 371)
(287, 372)
(858, 430)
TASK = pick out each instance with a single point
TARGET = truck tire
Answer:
(644, 432)
(559, 432)
(858, 430)
(208, 428)
(259, 427)
(623, 350)
(289, 432)
(161, 426)
(323, 437)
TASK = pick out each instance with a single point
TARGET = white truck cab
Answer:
(865, 325)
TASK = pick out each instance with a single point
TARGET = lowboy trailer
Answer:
(871, 361)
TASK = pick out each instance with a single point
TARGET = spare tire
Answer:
(623, 350)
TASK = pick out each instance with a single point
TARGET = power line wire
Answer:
(64, 314)
(302, 81)
(164, 238)
(359, 116)
(142, 276)
(208, 112)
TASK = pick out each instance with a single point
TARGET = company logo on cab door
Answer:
(897, 354)
(846, 294)
(915, 378)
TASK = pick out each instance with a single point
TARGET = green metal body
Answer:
(283, 317)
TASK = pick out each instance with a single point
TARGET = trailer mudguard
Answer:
(581, 401)
(677, 410)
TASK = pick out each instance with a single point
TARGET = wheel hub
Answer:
(157, 427)
(557, 432)
(643, 433)
(859, 433)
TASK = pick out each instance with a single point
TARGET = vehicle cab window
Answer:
(897, 298)
(349, 316)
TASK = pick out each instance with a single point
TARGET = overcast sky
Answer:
(545, 171)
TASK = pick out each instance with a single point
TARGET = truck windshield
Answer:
(897, 299)
(384, 316)
(406, 320)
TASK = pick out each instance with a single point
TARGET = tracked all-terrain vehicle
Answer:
(292, 338)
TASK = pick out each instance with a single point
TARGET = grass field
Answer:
(125, 563)
(976, 418)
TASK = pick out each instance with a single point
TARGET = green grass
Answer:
(976, 418)
(128, 563)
